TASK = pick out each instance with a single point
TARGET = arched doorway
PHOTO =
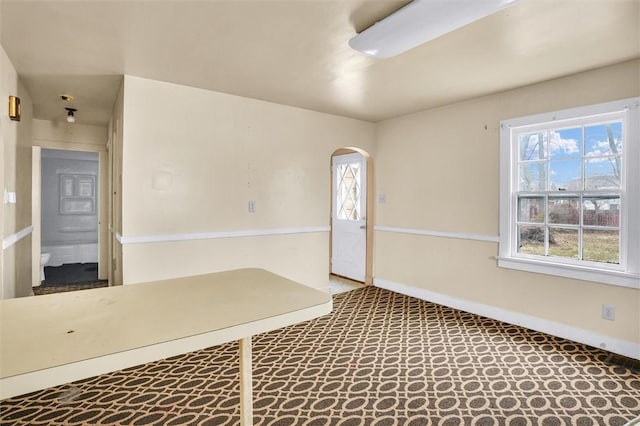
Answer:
(351, 240)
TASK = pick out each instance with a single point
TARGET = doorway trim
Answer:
(36, 214)
(368, 278)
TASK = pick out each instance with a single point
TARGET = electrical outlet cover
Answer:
(609, 312)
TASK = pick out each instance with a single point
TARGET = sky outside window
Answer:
(593, 150)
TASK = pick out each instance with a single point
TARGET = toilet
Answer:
(44, 259)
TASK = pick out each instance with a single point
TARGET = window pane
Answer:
(531, 240)
(533, 176)
(533, 146)
(603, 139)
(348, 191)
(602, 173)
(563, 242)
(564, 210)
(601, 211)
(565, 143)
(566, 175)
(531, 209)
(601, 246)
(569, 194)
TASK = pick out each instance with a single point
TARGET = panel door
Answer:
(348, 220)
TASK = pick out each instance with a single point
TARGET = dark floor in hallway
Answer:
(70, 273)
(70, 277)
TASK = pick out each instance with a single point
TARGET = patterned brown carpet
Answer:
(379, 359)
(62, 288)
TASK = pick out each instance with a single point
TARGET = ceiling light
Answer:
(421, 21)
(71, 118)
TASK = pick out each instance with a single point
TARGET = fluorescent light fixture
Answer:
(421, 21)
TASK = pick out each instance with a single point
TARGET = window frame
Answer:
(627, 272)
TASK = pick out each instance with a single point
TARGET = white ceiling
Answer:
(295, 52)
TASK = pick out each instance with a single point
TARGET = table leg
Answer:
(246, 399)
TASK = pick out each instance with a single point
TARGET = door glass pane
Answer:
(531, 240)
(601, 210)
(531, 209)
(564, 210)
(348, 191)
(601, 246)
(533, 176)
(563, 242)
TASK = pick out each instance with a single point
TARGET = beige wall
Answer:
(23, 187)
(302, 257)
(9, 134)
(4, 64)
(215, 152)
(16, 177)
(439, 170)
(63, 135)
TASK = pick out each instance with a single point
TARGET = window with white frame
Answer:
(570, 193)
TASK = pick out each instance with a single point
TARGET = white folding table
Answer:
(59, 338)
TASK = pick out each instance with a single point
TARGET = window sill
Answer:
(602, 276)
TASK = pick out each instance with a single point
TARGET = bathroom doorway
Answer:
(68, 200)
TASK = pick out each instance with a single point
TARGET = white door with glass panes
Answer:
(348, 218)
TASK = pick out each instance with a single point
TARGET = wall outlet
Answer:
(609, 312)
(251, 206)
(382, 198)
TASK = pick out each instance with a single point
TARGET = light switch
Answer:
(382, 198)
(9, 197)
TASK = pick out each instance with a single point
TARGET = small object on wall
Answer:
(14, 108)
(609, 312)
(9, 197)
(161, 180)
(252, 206)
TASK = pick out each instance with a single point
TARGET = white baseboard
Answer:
(633, 422)
(611, 344)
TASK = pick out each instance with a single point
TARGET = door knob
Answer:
(363, 227)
